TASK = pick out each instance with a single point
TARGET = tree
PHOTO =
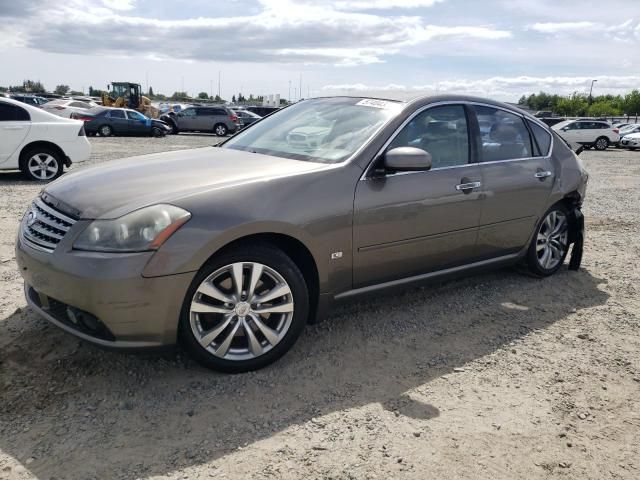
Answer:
(150, 92)
(61, 89)
(631, 104)
(233, 99)
(218, 99)
(179, 96)
(76, 93)
(203, 95)
(602, 108)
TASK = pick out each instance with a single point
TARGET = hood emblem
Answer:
(32, 217)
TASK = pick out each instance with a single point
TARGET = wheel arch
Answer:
(292, 247)
(42, 144)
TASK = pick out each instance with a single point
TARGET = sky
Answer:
(500, 49)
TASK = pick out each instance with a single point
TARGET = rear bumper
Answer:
(78, 150)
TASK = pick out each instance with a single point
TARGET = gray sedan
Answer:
(232, 250)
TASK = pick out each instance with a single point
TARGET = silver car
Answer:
(232, 250)
(217, 119)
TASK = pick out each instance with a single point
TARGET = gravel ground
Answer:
(497, 376)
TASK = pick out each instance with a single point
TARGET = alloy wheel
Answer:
(241, 311)
(552, 239)
(43, 166)
(221, 130)
(602, 144)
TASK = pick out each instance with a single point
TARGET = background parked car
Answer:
(629, 129)
(64, 107)
(30, 99)
(631, 141)
(107, 121)
(247, 117)
(590, 133)
(38, 143)
(261, 110)
(219, 120)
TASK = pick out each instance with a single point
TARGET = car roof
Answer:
(37, 114)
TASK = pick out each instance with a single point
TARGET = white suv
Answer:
(590, 133)
(38, 143)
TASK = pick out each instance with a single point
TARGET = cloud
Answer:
(283, 32)
(563, 27)
(506, 88)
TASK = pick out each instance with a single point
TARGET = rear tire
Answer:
(211, 326)
(220, 129)
(550, 243)
(602, 143)
(41, 164)
(105, 131)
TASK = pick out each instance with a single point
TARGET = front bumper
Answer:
(103, 298)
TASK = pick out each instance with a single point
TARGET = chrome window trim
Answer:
(524, 117)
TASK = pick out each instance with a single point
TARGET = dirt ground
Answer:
(497, 376)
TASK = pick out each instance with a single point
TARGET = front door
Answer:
(15, 123)
(187, 119)
(408, 223)
(517, 176)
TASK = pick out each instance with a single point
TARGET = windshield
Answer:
(327, 130)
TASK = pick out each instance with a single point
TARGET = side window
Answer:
(116, 114)
(573, 126)
(602, 125)
(542, 138)
(12, 113)
(135, 115)
(189, 112)
(506, 138)
(441, 131)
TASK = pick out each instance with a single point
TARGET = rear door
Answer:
(409, 223)
(118, 121)
(15, 123)
(517, 177)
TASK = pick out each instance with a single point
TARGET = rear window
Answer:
(116, 114)
(542, 138)
(13, 113)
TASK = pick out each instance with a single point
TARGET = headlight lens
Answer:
(144, 229)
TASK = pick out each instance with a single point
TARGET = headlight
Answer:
(144, 229)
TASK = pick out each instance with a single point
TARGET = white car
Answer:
(64, 107)
(38, 143)
(630, 141)
(590, 133)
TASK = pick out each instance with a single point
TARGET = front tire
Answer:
(602, 143)
(41, 164)
(157, 132)
(244, 309)
(220, 129)
(550, 243)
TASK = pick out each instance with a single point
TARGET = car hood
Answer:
(121, 186)
(634, 136)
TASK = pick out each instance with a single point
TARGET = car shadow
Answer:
(145, 415)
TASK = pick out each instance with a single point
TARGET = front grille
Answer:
(44, 227)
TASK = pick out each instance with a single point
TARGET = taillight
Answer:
(233, 118)
(75, 116)
(81, 133)
(616, 130)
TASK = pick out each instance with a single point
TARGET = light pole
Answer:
(289, 91)
(591, 90)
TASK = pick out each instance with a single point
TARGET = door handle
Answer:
(543, 174)
(467, 186)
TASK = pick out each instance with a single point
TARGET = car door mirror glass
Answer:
(407, 159)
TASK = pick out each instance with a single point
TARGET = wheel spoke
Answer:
(545, 257)
(270, 334)
(223, 348)
(256, 273)
(236, 273)
(210, 290)
(212, 334)
(254, 344)
(199, 307)
(276, 292)
(282, 308)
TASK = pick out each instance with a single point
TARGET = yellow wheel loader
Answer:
(129, 95)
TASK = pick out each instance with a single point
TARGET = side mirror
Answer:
(407, 159)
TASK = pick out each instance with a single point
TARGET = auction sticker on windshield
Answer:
(371, 102)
